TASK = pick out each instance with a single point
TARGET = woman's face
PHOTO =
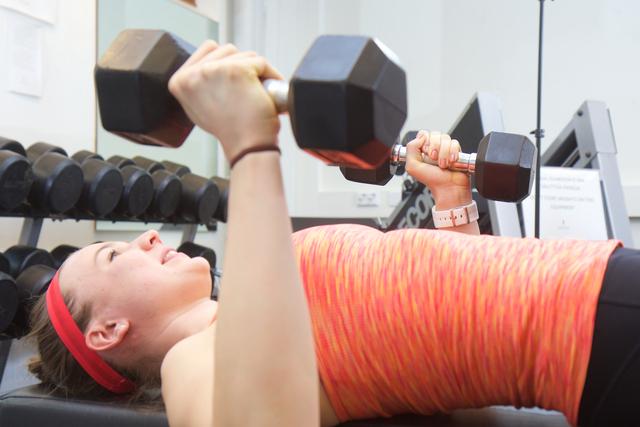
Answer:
(143, 281)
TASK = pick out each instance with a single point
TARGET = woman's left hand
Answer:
(449, 188)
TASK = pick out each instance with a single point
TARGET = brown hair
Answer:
(56, 368)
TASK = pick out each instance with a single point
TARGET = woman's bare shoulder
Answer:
(189, 398)
(187, 348)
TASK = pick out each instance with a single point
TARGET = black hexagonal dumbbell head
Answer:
(15, 174)
(58, 180)
(378, 176)
(126, 71)
(505, 167)
(103, 184)
(348, 101)
(383, 173)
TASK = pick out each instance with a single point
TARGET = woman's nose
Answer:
(148, 239)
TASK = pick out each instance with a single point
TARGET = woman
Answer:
(409, 321)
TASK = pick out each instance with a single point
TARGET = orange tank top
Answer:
(426, 321)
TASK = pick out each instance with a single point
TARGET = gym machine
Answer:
(587, 142)
(481, 116)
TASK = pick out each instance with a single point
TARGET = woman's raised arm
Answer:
(265, 368)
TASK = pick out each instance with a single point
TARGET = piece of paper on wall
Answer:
(43, 10)
(24, 52)
(571, 205)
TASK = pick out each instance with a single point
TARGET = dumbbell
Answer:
(383, 173)
(60, 254)
(31, 284)
(4, 264)
(21, 257)
(167, 188)
(193, 250)
(15, 174)
(102, 187)
(347, 100)
(175, 168)
(223, 186)
(58, 180)
(8, 302)
(137, 192)
(504, 167)
(200, 196)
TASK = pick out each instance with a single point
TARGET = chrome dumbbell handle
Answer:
(278, 90)
(465, 163)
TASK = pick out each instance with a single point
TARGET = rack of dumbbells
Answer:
(43, 182)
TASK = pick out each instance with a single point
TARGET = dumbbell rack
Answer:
(32, 224)
(14, 352)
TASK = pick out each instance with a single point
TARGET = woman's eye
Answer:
(112, 254)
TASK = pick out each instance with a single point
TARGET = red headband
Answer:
(73, 338)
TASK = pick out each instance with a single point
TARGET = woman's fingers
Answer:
(432, 148)
(455, 151)
(445, 149)
(203, 50)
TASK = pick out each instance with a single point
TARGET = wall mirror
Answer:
(181, 18)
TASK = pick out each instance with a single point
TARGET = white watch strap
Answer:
(456, 216)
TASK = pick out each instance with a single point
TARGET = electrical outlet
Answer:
(368, 199)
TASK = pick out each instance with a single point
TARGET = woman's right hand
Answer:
(449, 188)
(221, 91)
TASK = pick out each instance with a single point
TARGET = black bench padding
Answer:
(33, 406)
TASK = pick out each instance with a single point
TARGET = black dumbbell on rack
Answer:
(21, 257)
(58, 180)
(60, 254)
(15, 174)
(223, 187)
(137, 192)
(194, 250)
(9, 303)
(200, 196)
(5, 267)
(31, 284)
(167, 188)
(103, 184)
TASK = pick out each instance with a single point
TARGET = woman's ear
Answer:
(106, 335)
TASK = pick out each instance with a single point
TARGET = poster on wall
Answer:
(23, 51)
(571, 205)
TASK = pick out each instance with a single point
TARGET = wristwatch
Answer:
(456, 216)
